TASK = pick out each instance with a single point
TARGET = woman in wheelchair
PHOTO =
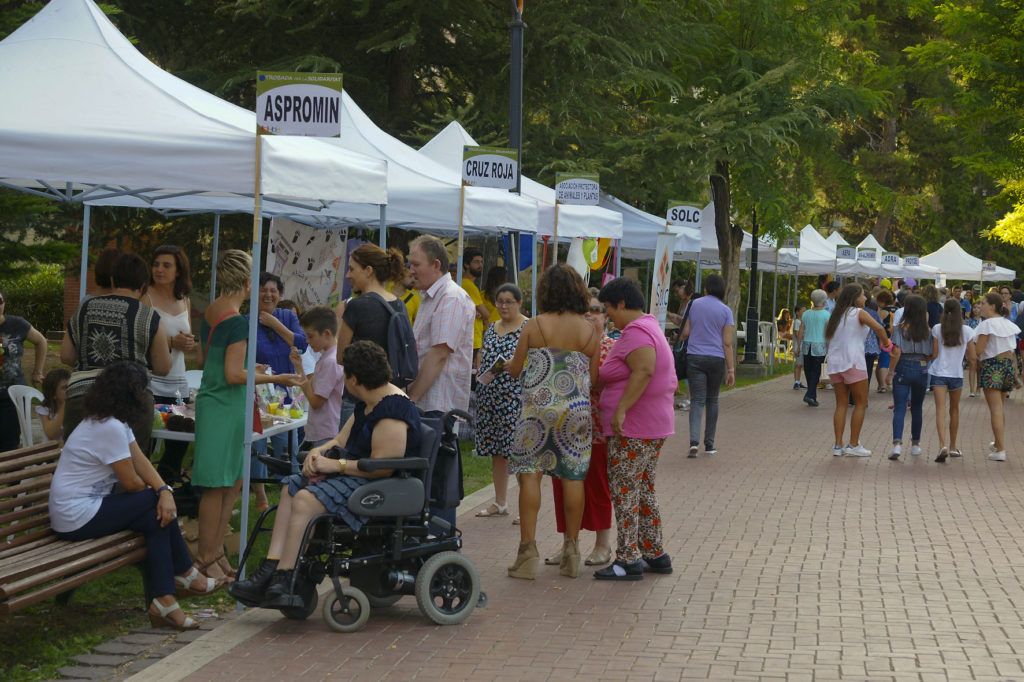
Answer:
(386, 424)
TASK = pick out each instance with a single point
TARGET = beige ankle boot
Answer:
(570, 565)
(527, 561)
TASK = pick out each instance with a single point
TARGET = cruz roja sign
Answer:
(298, 104)
(489, 167)
(581, 189)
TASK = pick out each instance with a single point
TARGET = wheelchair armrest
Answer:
(275, 465)
(398, 464)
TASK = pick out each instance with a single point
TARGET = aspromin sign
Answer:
(298, 104)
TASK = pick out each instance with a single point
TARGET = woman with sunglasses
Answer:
(14, 332)
(169, 287)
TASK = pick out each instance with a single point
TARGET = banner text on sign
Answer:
(683, 214)
(298, 104)
(581, 189)
(489, 167)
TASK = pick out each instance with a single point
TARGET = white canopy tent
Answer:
(955, 263)
(87, 118)
(875, 268)
(640, 230)
(837, 239)
(446, 149)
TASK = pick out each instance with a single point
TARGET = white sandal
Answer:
(499, 510)
(184, 584)
(161, 620)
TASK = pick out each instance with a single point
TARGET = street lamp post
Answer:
(750, 343)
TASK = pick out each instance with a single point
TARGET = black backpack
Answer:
(401, 348)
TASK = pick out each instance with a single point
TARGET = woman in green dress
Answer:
(220, 416)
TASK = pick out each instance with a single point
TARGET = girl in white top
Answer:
(51, 411)
(169, 287)
(995, 341)
(847, 368)
(951, 341)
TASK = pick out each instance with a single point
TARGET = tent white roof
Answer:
(837, 239)
(424, 194)
(87, 116)
(709, 254)
(875, 268)
(956, 263)
(446, 149)
(640, 230)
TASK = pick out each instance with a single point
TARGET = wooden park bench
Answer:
(34, 564)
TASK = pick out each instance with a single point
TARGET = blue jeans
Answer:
(704, 374)
(910, 382)
(167, 554)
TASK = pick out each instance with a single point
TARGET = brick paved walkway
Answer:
(789, 564)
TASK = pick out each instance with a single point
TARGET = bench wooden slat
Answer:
(34, 563)
(59, 567)
(40, 508)
(28, 473)
(10, 551)
(47, 447)
(21, 601)
(63, 550)
(12, 492)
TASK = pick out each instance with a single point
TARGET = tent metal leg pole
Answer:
(84, 271)
(250, 387)
(216, 255)
(533, 282)
(383, 227)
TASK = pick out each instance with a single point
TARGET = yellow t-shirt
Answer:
(494, 317)
(412, 299)
(478, 325)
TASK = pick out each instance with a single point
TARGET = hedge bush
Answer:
(38, 297)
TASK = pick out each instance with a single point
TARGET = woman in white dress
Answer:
(169, 287)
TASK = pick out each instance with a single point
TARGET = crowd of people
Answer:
(923, 340)
(583, 392)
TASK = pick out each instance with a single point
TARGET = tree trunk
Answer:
(883, 222)
(401, 84)
(730, 239)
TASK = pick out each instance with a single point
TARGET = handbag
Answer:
(679, 350)
(257, 421)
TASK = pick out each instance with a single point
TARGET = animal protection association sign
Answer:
(298, 104)
(581, 189)
(489, 167)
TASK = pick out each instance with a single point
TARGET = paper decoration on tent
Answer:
(577, 259)
(311, 262)
(602, 249)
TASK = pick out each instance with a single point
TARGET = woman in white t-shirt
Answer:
(846, 332)
(100, 453)
(995, 340)
(951, 340)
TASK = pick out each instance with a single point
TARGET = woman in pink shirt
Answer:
(637, 381)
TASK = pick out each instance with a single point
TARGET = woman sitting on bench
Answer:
(385, 425)
(100, 453)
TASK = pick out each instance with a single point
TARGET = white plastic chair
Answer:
(766, 341)
(22, 396)
(194, 377)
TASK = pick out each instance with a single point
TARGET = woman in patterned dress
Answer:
(597, 504)
(498, 394)
(553, 435)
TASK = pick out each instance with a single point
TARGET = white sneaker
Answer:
(915, 450)
(856, 451)
(998, 456)
(896, 451)
(992, 446)
(837, 451)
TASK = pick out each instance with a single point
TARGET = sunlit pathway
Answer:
(789, 564)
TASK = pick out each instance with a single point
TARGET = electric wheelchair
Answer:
(401, 550)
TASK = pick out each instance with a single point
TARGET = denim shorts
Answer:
(951, 383)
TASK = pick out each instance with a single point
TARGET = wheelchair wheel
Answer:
(306, 590)
(349, 613)
(447, 588)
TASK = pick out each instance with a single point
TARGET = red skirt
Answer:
(597, 507)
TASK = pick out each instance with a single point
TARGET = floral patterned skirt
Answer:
(997, 373)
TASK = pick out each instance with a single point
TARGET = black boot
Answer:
(253, 589)
(279, 592)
